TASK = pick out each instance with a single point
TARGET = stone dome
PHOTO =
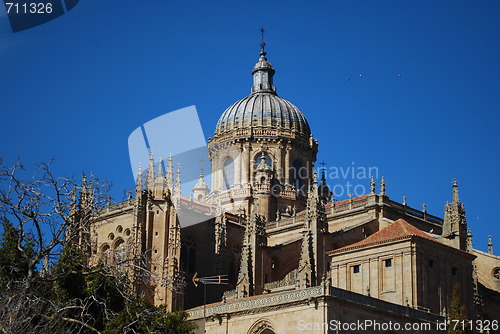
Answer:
(263, 110)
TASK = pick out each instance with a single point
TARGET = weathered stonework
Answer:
(290, 254)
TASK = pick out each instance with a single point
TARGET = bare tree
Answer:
(45, 209)
(57, 289)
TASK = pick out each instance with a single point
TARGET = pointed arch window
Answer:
(228, 173)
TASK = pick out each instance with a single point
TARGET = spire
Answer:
(73, 216)
(324, 191)
(455, 224)
(469, 247)
(244, 285)
(200, 190)
(151, 172)
(372, 185)
(160, 168)
(311, 249)
(138, 182)
(84, 184)
(255, 237)
(177, 190)
(170, 173)
(382, 187)
(73, 201)
(490, 245)
(263, 71)
(307, 267)
(455, 192)
(84, 192)
(315, 180)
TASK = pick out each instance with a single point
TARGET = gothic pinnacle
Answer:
(382, 187)
(170, 172)
(372, 185)
(160, 168)
(138, 182)
(178, 180)
(455, 191)
(315, 179)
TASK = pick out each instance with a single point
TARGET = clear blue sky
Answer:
(76, 87)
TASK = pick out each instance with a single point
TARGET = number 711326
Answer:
(29, 8)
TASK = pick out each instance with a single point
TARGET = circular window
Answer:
(496, 273)
(119, 229)
(111, 236)
(127, 232)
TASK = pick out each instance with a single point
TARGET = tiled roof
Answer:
(399, 229)
(345, 201)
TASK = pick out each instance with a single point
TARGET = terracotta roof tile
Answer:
(345, 201)
(397, 230)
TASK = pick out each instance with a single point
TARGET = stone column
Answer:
(248, 160)
(287, 163)
(238, 168)
(279, 160)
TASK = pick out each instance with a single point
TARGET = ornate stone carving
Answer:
(260, 326)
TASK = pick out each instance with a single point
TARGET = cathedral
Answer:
(293, 259)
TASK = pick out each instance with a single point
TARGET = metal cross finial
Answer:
(201, 161)
(323, 169)
(262, 43)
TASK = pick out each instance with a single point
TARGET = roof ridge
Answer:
(397, 230)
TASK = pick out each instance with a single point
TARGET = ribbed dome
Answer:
(263, 109)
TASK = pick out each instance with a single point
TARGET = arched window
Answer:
(120, 254)
(105, 250)
(188, 255)
(228, 173)
(297, 174)
(258, 158)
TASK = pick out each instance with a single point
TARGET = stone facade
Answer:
(290, 252)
